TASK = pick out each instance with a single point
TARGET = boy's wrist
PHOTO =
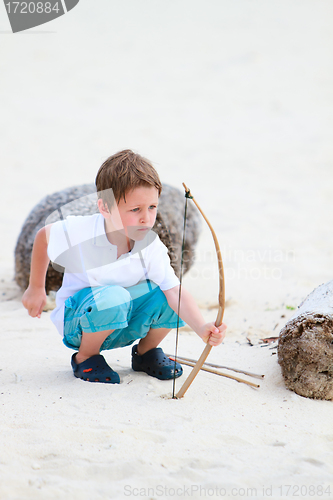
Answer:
(201, 332)
(37, 286)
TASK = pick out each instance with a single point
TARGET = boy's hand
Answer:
(34, 300)
(212, 334)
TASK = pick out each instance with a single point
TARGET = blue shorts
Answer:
(130, 312)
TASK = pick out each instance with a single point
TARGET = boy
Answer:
(118, 283)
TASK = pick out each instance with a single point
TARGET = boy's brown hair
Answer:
(123, 172)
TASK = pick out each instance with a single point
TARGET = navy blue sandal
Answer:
(156, 364)
(95, 369)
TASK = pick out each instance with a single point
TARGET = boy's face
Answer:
(135, 216)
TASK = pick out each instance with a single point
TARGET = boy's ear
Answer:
(103, 208)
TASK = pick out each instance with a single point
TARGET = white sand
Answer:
(235, 99)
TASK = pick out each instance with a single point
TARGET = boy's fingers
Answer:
(41, 309)
(36, 311)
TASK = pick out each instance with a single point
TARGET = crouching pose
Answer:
(118, 284)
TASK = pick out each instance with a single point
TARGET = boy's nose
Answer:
(144, 217)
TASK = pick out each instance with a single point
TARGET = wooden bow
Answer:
(221, 299)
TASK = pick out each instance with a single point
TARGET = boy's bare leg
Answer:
(152, 339)
(91, 344)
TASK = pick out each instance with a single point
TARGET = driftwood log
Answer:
(81, 200)
(305, 347)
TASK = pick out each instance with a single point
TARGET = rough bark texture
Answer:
(305, 348)
(76, 201)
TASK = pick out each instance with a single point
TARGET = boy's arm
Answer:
(190, 313)
(34, 298)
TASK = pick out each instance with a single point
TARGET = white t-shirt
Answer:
(79, 244)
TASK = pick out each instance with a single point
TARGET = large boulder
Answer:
(81, 200)
(305, 347)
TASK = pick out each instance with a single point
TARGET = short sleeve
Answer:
(60, 250)
(58, 242)
(159, 268)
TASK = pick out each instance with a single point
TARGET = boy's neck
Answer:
(123, 243)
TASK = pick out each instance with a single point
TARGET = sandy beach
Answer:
(235, 99)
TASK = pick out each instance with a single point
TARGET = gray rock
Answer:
(305, 347)
(79, 200)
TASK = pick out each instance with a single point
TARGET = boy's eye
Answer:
(151, 207)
